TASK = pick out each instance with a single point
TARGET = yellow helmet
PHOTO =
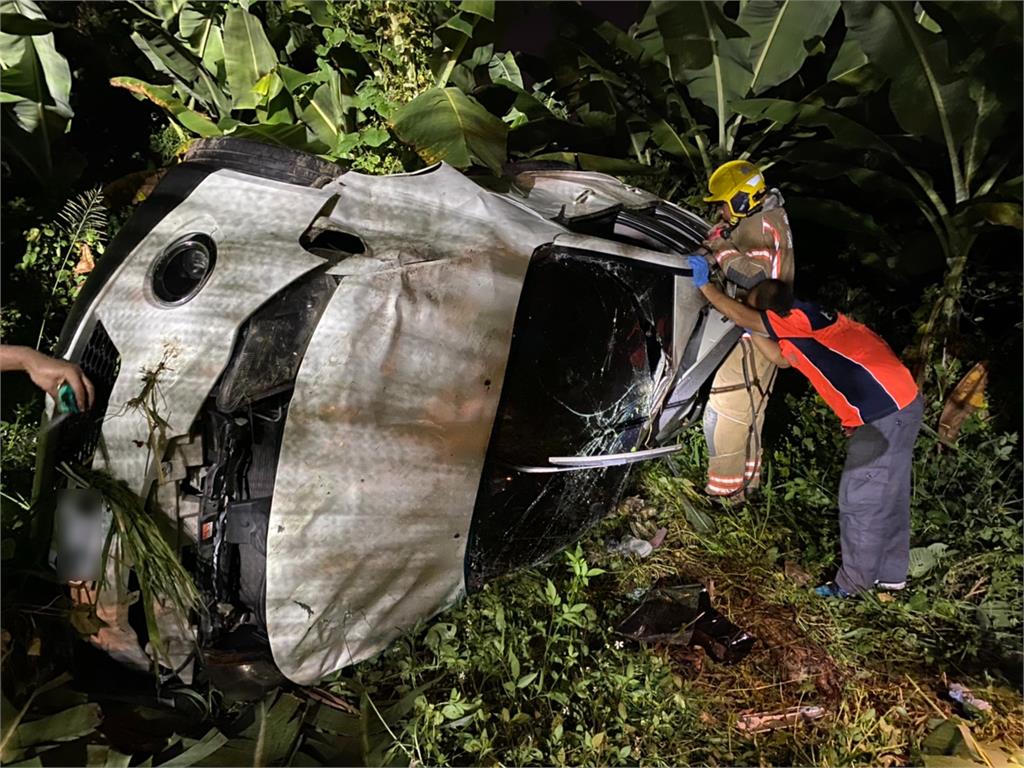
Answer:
(738, 184)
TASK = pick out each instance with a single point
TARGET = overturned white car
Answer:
(376, 393)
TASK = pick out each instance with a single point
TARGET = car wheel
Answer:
(264, 160)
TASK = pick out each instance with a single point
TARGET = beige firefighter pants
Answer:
(734, 449)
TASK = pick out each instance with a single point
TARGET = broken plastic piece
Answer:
(683, 615)
(970, 703)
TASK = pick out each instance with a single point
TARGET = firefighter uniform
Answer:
(759, 247)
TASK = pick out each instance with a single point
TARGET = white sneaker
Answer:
(891, 586)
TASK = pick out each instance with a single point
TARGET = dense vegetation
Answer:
(893, 129)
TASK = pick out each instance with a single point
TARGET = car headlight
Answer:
(183, 269)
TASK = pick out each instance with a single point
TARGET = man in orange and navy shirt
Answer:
(877, 401)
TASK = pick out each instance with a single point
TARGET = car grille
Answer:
(80, 432)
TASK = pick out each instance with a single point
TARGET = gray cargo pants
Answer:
(874, 500)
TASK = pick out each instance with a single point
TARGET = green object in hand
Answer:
(66, 402)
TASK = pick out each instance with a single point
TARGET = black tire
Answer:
(264, 160)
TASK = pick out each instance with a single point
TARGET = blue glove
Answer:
(699, 265)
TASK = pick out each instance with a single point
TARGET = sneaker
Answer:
(831, 589)
(890, 586)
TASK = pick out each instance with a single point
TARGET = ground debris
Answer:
(796, 573)
(757, 722)
(797, 657)
(968, 396)
(682, 615)
(971, 704)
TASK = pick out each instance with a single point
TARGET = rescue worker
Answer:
(752, 243)
(878, 403)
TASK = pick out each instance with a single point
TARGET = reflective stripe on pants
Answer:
(734, 450)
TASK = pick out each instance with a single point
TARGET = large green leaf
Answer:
(482, 8)
(503, 67)
(325, 113)
(194, 69)
(994, 212)
(248, 56)
(669, 140)
(31, 66)
(163, 96)
(282, 134)
(197, 750)
(927, 97)
(779, 32)
(63, 726)
(36, 81)
(17, 24)
(987, 127)
(849, 60)
(705, 52)
(270, 739)
(446, 124)
(782, 112)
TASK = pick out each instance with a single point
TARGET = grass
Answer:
(530, 671)
(506, 678)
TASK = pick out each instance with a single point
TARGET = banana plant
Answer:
(941, 98)
(480, 112)
(35, 88)
(718, 61)
(953, 111)
(223, 75)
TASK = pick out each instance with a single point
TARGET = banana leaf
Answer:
(999, 213)
(36, 81)
(21, 736)
(779, 33)
(14, 23)
(325, 113)
(172, 58)
(987, 126)
(446, 124)
(927, 97)
(197, 751)
(163, 96)
(705, 52)
(782, 112)
(248, 57)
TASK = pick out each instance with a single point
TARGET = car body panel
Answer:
(456, 341)
(195, 340)
(391, 418)
(569, 195)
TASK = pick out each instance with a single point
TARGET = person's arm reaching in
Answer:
(770, 349)
(48, 373)
(741, 314)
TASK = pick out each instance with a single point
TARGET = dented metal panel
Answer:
(568, 195)
(391, 417)
(255, 225)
